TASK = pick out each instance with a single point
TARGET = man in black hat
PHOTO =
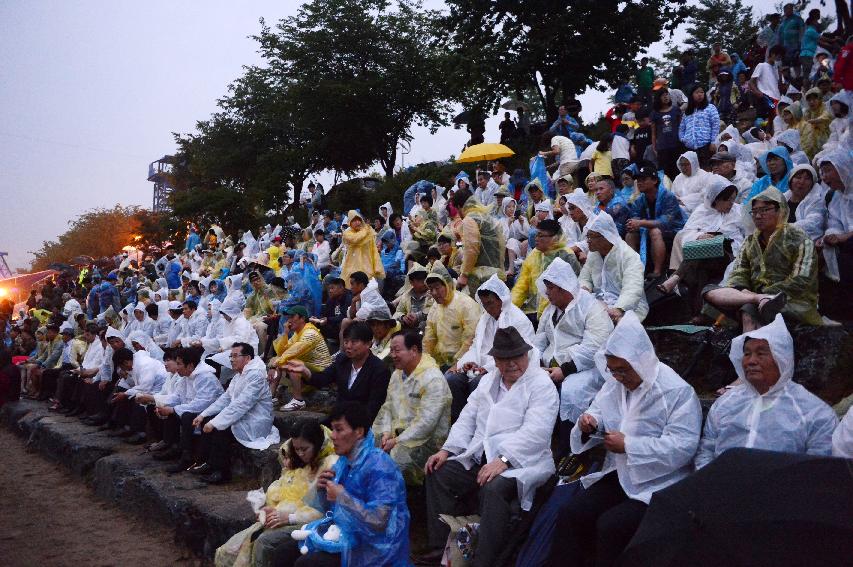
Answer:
(725, 164)
(501, 463)
(659, 212)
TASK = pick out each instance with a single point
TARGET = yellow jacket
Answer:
(362, 254)
(525, 296)
(306, 345)
(450, 328)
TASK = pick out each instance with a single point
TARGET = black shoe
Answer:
(181, 466)
(169, 454)
(122, 432)
(201, 469)
(76, 411)
(136, 439)
(97, 420)
(216, 477)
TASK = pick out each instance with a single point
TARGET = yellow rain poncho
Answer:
(274, 253)
(788, 262)
(306, 345)
(450, 327)
(417, 413)
(483, 244)
(814, 129)
(362, 254)
(287, 495)
(524, 293)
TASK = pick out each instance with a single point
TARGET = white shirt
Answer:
(94, 357)
(619, 148)
(567, 149)
(353, 374)
(767, 79)
(322, 251)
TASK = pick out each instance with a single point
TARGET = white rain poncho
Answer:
(252, 246)
(689, 188)
(811, 212)
(786, 418)
(618, 279)
(791, 140)
(839, 127)
(511, 316)
(744, 167)
(237, 330)
(246, 407)
(193, 393)
(575, 235)
(389, 210)
(204, 288)
(840, 217)
(580, 331)
(371, 301)
(519, 427)
(215, 329)
(515, 229)
(194, 328)
(661, 419)
(706, 219)
(842, 438)
(147, 343)
(733, 134)
(147, 376)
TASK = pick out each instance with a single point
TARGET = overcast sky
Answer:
(92, 91)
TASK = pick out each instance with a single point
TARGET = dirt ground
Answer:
(49, 518)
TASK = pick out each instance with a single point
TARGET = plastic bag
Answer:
(257, 499)
(539, 171)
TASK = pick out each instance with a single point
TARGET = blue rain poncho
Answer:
(765, 181)
(371, 512)
(422, 187)
(298, 293)
(786, 418)
(305, 264)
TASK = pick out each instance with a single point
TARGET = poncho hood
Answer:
(781, 346)
(603, 224)
(560, 274)
(791, 138)
(630, 342)
(841, 159)
(780, 152)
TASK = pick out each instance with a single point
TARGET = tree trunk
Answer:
(389, 161)
(845, 26)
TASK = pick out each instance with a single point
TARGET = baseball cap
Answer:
(174, 305)
(660, 83)
(646, 170)
(297, 310)
(723, 156)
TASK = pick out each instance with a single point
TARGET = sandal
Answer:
(771, 307)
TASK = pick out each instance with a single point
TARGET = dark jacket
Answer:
(370, 385)
(335, 310)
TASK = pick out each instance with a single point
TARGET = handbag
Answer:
(707, 249)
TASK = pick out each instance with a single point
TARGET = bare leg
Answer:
(658, 250)
(511, 257)
(669, 284)
(633, 239)
(728, 298)
(295, 385)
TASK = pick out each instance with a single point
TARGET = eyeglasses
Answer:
(762, 211)
(236, 356)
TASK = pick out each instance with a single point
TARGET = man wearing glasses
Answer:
(243, 412)
(776, 271)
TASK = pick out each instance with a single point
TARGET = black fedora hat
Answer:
(508, 343)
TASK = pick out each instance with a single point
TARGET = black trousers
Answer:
(95, 399)
(216, 447)
(50, 379)
(319, 559)
(598, 524)
(178, 430)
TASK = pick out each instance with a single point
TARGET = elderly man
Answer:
(498, 311)
(766, 409)
(452, 320)
(306, 344)
(365, 494)
(499, 447)
(243, 412)
(648, 420)
(414, 420)
(550, 244)
(776, 270)
(613, 271)
(573, 328)
(358, 374)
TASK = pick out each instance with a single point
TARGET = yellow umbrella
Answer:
(484, 152)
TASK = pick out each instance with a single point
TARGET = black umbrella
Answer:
(751, 507)
(469, 116)
(59, 267)
(82, 260)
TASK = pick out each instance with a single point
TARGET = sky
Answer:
(92, 91)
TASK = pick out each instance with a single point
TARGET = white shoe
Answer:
(293, 405)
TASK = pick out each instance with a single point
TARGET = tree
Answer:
(97, 233)
(359, 75)
(558, 47)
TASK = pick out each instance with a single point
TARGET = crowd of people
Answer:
(494, 329)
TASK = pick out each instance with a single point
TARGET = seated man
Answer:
(648, 420)
(790, 419)
(56, 381)
(836, 170)
(196, 388)
(573, 328)
(383, 327)
(334, 309)
(499, 447)
(657, 210)
(357, 373)
(358, 283)
(613, 272)
(776, 270)
(259, 307)
(72, 396)
(415, 302)
(47, 363)
(243, 412)
(367, 501)
(306, 343)
(498, 311)
(413, 422)
(451, 321)
(138, 374)
(550, 244)
(193, 324)
(172, 325)
(100, 391)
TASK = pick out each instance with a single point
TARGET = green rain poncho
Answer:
(787, 263)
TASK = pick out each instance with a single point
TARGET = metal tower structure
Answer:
(5, 271)
(160, 173)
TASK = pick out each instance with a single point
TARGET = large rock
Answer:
(824, 359)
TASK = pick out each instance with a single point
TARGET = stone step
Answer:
(203, 517)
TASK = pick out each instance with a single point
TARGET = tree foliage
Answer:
(98, 233)
(558, 47)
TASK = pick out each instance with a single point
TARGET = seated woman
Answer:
(718, 214)
(690, 184)
(267, 542)
(629, 189)
(806, 204)
(516, 229)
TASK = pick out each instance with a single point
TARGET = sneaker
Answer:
(293, 405)
(158, 446)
